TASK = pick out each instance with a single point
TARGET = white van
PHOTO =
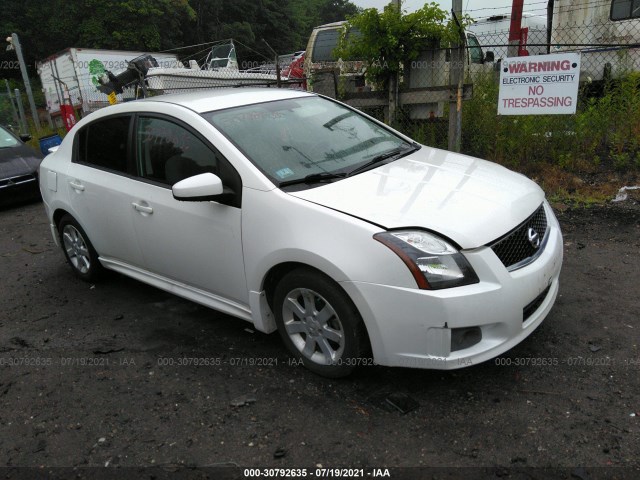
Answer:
(610, 27)
(494, 31)
(320, 63)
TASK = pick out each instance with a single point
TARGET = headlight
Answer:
(433, 262)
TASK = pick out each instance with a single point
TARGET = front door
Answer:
(198, 244)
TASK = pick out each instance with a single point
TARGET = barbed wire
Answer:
(501, 8)
(542, 11)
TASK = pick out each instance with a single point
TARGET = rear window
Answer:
(326, 42)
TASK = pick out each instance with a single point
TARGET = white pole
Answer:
(15, 42)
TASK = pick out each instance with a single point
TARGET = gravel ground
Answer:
(91, 376)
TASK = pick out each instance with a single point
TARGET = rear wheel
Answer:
(319, 324)
(78, 249)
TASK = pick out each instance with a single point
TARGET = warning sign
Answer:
(539, 85)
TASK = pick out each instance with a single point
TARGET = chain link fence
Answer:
(605, 127)
(93, 79)
(9, 112)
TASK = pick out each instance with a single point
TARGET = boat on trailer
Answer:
(220, 69)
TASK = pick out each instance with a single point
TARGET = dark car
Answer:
(18, 168)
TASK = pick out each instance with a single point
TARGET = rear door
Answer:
(100, 183)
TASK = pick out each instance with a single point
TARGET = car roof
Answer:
(219, 99)
(331, 25)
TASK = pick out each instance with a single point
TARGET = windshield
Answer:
(292, 139)
(6, 139)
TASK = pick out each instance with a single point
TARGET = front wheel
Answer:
(78, 249)
(319, 324)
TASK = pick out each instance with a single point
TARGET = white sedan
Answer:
(300, 214)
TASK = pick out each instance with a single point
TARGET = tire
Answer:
(319, 323)
(78, 250)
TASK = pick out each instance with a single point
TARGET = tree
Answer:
(248, 22)
(48, 27)
(335, 11)
(284, 24)
(386, 41)
(319, 12)
(134, 24)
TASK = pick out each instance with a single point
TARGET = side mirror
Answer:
(489, 57)
(199, 188)
(25, 137)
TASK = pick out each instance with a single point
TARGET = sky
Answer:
(476, 8)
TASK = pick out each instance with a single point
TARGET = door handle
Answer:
(142, 208)
(77, 186)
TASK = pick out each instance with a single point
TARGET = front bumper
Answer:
(421, 328)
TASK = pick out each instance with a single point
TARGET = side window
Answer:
(475, 50)
(625, 9)
(168, 153)
(103, 143)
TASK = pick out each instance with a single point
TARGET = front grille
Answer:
(10, 182)
(515, 249)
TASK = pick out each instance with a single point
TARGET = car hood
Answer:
(20, 160)
(468, 200)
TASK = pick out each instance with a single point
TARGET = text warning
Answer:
(539, 85)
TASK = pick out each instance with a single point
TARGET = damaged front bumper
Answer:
(463, 326)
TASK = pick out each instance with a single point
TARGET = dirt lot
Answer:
(90, 377)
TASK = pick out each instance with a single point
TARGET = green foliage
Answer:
(134, 24)
(604, 129)
(388, 40)
(609, 126)
(431, 133)
(46, 28)
(6, 110)
(284, 24)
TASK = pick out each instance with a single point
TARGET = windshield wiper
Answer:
(396, 152)
(327, 176)
(313, 178)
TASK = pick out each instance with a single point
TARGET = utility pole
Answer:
(456, 81)
(14, 44)
(14, 109)
(24, 128)
(393, 80)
